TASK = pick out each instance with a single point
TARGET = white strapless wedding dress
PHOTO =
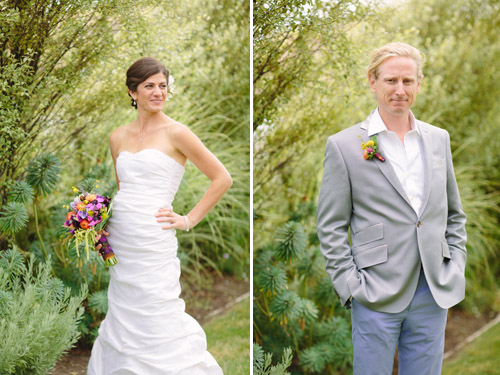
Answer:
(146, 331)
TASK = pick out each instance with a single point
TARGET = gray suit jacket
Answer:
(380, 265)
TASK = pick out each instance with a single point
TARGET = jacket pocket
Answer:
(367, 235)
(445, 250)
(370, 257)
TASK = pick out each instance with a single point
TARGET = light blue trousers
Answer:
(417, 332)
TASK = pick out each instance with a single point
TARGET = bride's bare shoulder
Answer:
(177, 130)
(120, 131)
(184, 140)
(116, 137)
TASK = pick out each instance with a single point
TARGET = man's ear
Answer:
(372, 81)
(418, 84)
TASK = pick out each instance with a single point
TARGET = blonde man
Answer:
(390, 181)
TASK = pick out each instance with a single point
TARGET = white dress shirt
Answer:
(407, 159)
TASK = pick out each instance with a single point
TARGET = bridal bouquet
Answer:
(86, 220)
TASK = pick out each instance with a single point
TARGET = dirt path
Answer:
(201, 303)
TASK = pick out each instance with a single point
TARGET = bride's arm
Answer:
(113, 147)
(187, 143)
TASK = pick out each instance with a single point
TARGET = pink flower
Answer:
(370, 149)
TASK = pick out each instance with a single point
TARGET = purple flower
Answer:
(75, 202)
(82, 214)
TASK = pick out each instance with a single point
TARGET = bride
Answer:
(146, 330)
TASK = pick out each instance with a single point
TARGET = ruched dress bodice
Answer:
(149, 180)
(146, 330)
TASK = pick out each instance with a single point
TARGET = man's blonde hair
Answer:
(395, 49)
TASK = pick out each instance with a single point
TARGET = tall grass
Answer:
(221, 240)
(481, 204)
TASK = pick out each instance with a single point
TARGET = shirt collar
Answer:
(377, 125)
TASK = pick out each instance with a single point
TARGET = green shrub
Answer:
(295, 305)
(13, 218)
(262, 362)
(38, 317)
(57, 135)
(459, 93)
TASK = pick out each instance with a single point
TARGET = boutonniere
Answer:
(371, 149)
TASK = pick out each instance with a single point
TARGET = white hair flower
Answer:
(170, 87)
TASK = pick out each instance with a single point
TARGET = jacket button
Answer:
(418, 224)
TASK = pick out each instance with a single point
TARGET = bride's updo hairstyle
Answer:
(141, 70)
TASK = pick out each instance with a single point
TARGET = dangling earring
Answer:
(134, 102)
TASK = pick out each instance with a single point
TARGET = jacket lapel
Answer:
(427, 154)
(385, 167)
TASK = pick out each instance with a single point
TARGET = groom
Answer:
(389, 186)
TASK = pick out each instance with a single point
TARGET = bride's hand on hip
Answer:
(173, 220)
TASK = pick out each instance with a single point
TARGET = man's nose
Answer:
(400, 90)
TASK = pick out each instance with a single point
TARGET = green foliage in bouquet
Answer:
(38, 316)
(262, 362)
(295, 305)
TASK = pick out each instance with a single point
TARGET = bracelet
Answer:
(187, 223)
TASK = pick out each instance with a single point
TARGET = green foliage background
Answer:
(328, 91)
(38, 316)
(62, 92)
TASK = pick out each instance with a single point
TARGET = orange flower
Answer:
(371, 150)
(90, 197)
(80, 206)
(84, 224)
(69, 215)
